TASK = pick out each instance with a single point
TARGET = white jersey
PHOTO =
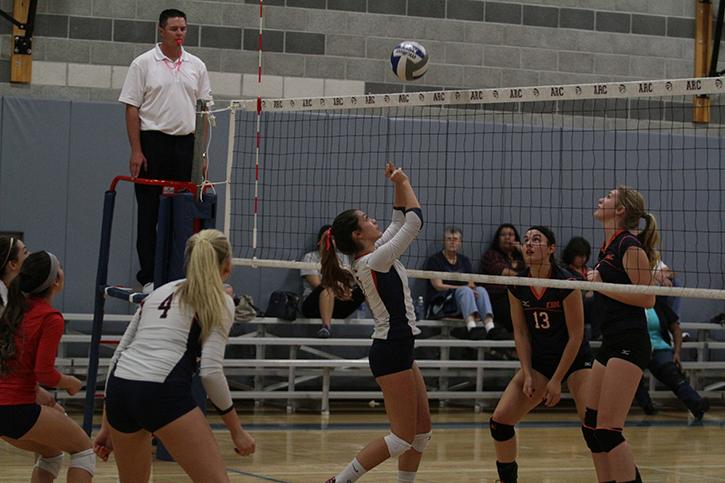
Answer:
(384, 279)
(162, 343)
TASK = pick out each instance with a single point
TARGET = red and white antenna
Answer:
(259, 123)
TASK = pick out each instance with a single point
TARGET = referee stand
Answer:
(184, 209)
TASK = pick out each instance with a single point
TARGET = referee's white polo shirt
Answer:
(166, 91)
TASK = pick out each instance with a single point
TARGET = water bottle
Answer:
(362, 311)
(420, 308)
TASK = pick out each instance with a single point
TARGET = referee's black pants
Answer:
(168, 158)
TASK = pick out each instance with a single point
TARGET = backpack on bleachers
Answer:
(283, 305)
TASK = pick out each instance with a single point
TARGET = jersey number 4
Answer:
(541, 320)
(166, 306)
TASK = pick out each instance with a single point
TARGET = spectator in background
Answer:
(319, 302)
(503, 257)
(665, 364)
(455, 298)
(574, 258)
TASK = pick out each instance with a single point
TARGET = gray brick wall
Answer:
(472, 43)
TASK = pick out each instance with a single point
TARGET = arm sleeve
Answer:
(394, 226)
(45, 371)
(212, 365)
(132, 91)
(384, 255)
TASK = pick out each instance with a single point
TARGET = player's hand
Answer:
(593, 276)
(43, 397)
(552, 393)
(244, 443)
(102, 443)
(72, 385)
(136, 163)
(395, 175)
(528, 387)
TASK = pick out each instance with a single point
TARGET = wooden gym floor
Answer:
(668, 447)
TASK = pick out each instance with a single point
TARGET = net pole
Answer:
(197, 163)
(230, 162)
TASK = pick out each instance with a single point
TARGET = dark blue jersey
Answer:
(544, 315)
(615, 316)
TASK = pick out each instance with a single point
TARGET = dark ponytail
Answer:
(32, 280)
(339, 237)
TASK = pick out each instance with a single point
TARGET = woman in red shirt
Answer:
(30, 330)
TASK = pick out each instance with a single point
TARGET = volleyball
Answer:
(409, 60)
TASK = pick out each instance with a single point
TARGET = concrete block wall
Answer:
(335, 47)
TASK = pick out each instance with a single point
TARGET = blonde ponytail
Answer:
(634, 210)
(650, 239)
(203, 290)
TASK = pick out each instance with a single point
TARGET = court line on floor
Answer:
(254, 475)
(464, 425)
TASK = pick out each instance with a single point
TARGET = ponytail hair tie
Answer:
(328, 239)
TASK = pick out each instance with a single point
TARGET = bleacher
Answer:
(304, 361)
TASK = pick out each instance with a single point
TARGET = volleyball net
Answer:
(479, 158)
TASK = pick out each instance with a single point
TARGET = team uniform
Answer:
(36, 343)
(384, 282)
(152, 368)
(546, 321)
(624, 326)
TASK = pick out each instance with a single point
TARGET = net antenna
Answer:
(482, 157)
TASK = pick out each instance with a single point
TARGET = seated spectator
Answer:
(664, 276)
(319, 302)
(665, 363)
(503, 257)
(574, 258)
(451, 298)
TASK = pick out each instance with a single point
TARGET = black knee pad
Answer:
(500, 431)
(590, 424)
(591, 439)
(609, 438)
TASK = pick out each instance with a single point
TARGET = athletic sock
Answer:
(508, 472)
(406, 476)
(470, 322)
(488, 323)
(352, 472)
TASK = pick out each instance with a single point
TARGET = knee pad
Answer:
(500, 431)
(588, 430)
(590, 418)
(396, 445)
(591, 439)
(85, 460)
(421, 440)
(609, 438)
(50, 465)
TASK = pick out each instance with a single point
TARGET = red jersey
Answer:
(36, 343)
